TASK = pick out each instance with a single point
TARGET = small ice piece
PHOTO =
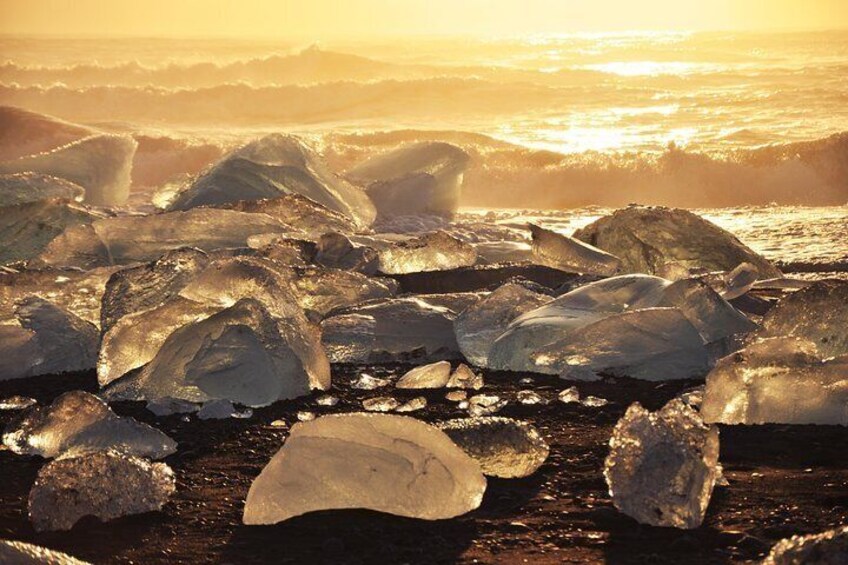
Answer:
(464, 377)
(503, 447)
(327, 400)
(279, 424)
(380, 404)
(456, 395)
(412, 404)
(777, 380)
(529, 397)
(569, 395)
(479, 325)
(23, 188)
(104, 484)
(381, 462)
(20, 553)
(78, 421)
(818, 313)
(826, 548)
(434, 375)
(485, 404)
(594, 401)
(663, 465)
(17, 402)
(367, 382)
(499, 252)
(739, 281)
(565, 253)
(437, 251)
(219, 409)
(168, 406)
(304, 416)
(693, 397)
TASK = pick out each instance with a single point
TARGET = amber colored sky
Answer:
(363, 18)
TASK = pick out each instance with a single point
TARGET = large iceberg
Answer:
(569, 254)
(273, 166)
(655, 239)
(777, 380)
(101, 164)
(392, 464)
(437, 251)
(419, 178)
(662, 466)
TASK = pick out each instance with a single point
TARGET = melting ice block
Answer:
(648, 239)
(105, 484)
(273, 166)
(437, 251)
(80, 422)
(419, 178)
(818, 313)
(777, 380)
(434, 375)
(20, 553)
(101, 164)
(826, 548)
(663, 465)
(562, 252)
(23, 188)
(382, 462)
(479, 325)
(503, 447)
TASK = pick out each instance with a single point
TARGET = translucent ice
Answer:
(367, 382)
(20, 553)
(323, 290)
(662, 466)
(336, 251)
(387, 463)
(220, 409)
(437, 251)
(568, 254)
(305, 215)
(777, 380)
(22, 188)
(594, 401)
(105, 484)
(464, 377)
(434, 375)
(569, 395)
(78, 421)
(485, 404)
(826, 548)
(529, 397)
(169, 406)
(503, 447)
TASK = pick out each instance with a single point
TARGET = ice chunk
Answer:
(20, 553)
(456, 395)
(381, 462)
(485, 404)
(497, 252)
(648, 238)
(434, 375)
(569, 395)
(273, 166)
(562, 252)
(479, 325)
(241, 354)
(17, 402)
(662, 466)
(412, 405)
(437, 251)
(398, 329)
(420, 178)
(26, 133)
(713, 316)
(23, 188)
(221, 409)
(327, 400)
(777, 380)
(464, 377)
(101, 164)
(304, 416)
(380, 404)
(503, 447)
(529, 397)
(594, 401)
(367, 382)
(335, 250)
(826, 548)
(307, 216)
(168, 406)
(78, 421)
(739, 281)
(818, 313)
(105, 484)
(323, 290)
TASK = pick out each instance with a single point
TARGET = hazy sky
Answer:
(355, 18)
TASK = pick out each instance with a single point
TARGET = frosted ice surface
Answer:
(22, 188)
(419, 178)
(503, 447)
(336, 251)
(434, 375)
(17, 402)
(273, 166)
(101, 164)
(367, 382)
(78, 421)
(169, 406)
(485, 404)
(20, 553)
(437, 251)
(739, 281)
(464, 377)
(648, 238)
(381, 462)
(412, 405)
(566, 253)
(105, 484)
(569, 395)
(479, 325)
(777, 380)
(397, 329)
(826, 548)
(818, 313)
(380, 404)
(663, 465)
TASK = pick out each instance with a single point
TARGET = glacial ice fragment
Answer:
(219, 409)
(23, 188)
(80, 422)
(499, 252)
(304, 416)
(456, 395)
(569, 395)
(566, 253)
(17, 402)
(503, 447)
(322, 290)
(367, 382)
(434, 375)
(464, 377)
(826, 548)
(303, 214)
(336, 251)
(663, 465)
(412, 405)
(381, 462)
(485, 404)
(437, 251)
(380, 404)
(104, 484)
(529, 397)
(168, 406)
(20, 553)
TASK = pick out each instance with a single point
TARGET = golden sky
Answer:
(320, 19)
